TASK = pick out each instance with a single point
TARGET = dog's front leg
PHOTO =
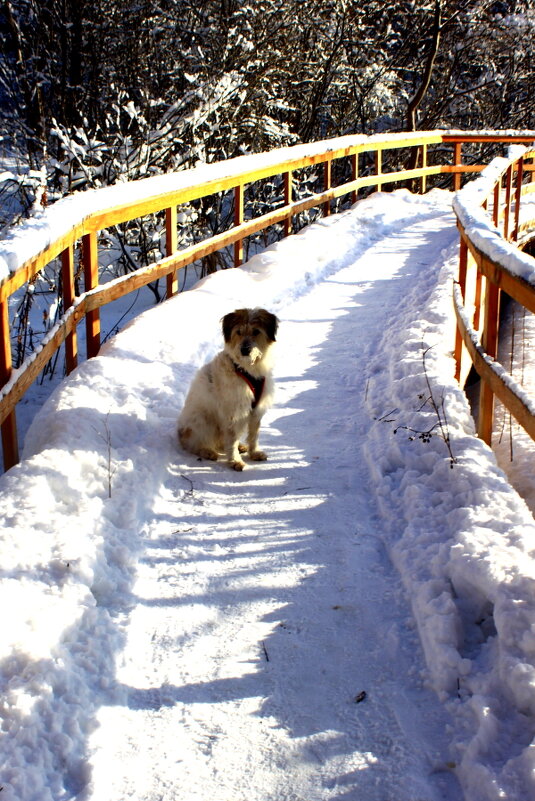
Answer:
(232, 449)
(252, 440)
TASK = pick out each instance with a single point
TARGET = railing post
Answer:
(480, 283)
(518, 196)
(423, 179)
(508, 194)
(457, 162)
(10, 445)
(327, 183)
(170, 248)
(379, 167)
(238, 219)
(463, 263)
(287, 189)
(496, 206)
(489, 342)
(92, 320)
(67, 284)
(354, 174)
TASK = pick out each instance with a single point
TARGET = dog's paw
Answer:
(237, 464)
(208, 453)
(242, 448)
(258, 456)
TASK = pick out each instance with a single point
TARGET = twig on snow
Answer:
(106, 438)
(265, 651)
(190, 482)
(439, 428)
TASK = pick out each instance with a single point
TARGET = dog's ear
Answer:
(269, 322)
(228, 321)
(231, 320)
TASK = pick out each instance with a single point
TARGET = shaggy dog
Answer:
(229, 395)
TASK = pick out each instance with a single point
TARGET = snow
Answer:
(478, 224)
(352, 619)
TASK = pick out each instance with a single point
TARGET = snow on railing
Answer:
(55, 232)
(489, 262)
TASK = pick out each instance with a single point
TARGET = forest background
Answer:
(96, 92)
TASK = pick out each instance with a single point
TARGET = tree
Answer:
(110, 89)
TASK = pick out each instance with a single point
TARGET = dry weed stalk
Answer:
(440, 427)
(106, 438)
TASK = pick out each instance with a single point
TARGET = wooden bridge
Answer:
(495, 212)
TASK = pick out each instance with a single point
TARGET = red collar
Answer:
(256, 385)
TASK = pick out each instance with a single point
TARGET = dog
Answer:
(229, 395)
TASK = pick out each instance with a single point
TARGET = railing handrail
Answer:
(96, 209)
(489, 247)
(86, 212)
(38, 241)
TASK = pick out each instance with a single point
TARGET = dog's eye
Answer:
(256, 331)
(239, 332)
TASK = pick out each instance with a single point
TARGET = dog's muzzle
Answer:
(246, 348)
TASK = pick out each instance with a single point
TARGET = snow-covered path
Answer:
(351, 620)
(265, 604)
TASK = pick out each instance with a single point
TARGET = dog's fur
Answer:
(221, 404)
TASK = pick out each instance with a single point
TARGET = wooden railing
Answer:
(39, 241)
(492, 221)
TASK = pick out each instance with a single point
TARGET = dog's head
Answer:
(249, 334)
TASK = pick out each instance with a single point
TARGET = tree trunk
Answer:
(420, 93)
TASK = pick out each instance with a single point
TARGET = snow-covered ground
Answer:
(351, 620)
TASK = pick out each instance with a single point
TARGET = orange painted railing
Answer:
(84, 216)
(493, 221)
